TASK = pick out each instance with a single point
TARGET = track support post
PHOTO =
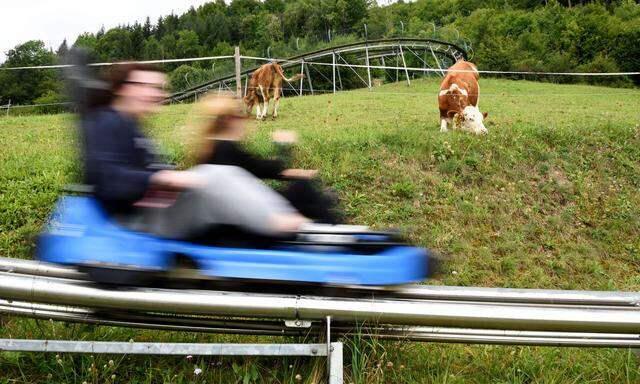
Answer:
(309, 78)
(336, 364)
(333, 68)
(302, 78)
(334, 357)
(366, 50)
(404, 63)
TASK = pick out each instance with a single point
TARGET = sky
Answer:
(53, 21)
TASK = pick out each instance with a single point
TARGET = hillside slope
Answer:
(549, 199)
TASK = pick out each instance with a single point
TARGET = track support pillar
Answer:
(333, 68)
(302, 78)
(404, 64)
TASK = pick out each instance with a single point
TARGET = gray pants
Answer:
(230, 196)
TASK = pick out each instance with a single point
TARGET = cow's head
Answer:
(473, 120)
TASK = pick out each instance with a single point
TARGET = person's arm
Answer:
(231, 153)
(261, 168)
(284, 141)
(297, 173)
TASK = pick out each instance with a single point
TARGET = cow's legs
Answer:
(265, 111)
(276, 101)
(265, 100)
(443, 124)
(258, 110)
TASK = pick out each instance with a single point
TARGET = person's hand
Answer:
(294, 173)
(284, 137)
(176, 180)
(155, 198)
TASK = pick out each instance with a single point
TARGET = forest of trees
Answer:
(525, 35)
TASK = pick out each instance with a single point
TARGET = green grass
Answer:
(549, 199)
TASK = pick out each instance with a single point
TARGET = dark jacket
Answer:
(118, 159)
(228, 152)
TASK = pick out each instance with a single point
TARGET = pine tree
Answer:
(63, 49)
(147, 29)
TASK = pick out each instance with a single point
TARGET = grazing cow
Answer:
(265, 82)
(458, 99)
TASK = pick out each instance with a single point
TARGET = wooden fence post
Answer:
(238, 70)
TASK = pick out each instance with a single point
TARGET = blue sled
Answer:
(80, 233)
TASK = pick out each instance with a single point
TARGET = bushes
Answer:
(186, 76)
(55, 99)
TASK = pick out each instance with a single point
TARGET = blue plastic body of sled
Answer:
(80, 232)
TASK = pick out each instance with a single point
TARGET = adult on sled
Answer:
(122, 165)
(218, 141)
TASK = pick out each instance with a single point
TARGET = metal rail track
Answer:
(424, 313)
(275, 328)
(489, 315)
(431, 292)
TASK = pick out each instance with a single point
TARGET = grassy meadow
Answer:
(548, 199)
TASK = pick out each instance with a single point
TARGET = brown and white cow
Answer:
(266, 82)
(458, 99)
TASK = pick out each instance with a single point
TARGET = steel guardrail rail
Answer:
(426, 292)
(464, 314)
(273, 328)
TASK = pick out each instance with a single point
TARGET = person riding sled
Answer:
(221, 131)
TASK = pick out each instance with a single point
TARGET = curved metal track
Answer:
(430, 53)
(418, 292)
(274, 328)
(446, 314)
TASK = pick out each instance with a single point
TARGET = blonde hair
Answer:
(210, 113)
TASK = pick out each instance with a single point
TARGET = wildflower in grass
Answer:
(113, 377)
(189, 357)
(197, 371)
(389, 365)
(298, 377)
(111, 363)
